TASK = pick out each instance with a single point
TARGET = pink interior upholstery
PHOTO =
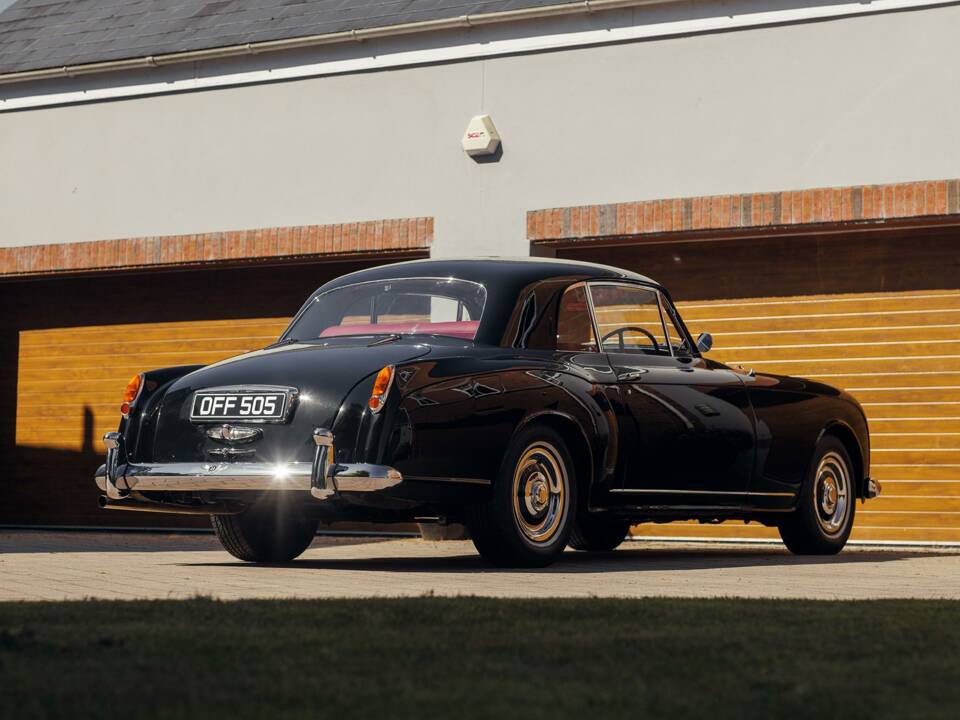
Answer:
(466, 329)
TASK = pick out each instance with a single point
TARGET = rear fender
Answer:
(138, 428)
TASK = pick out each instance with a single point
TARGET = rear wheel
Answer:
(265, 532)
(595, 533)
(527, 521)
(825, 510)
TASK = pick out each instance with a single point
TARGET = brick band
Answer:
(340, 240)
(749, 211)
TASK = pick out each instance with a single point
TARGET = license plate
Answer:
(257, 406)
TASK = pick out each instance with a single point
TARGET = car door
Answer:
(687, 432)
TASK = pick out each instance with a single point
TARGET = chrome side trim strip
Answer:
(466, 481)
(701, 492)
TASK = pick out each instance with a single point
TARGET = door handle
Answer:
(632, 375)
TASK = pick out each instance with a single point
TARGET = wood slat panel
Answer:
(41, 354)
(137, 359)
(861, 531)
(70, 380)
(844, 336)
(794, 353)
(907, 426)
(935, 393)
(877, 380)
(853, 304)
(921, 488)
(819, 321)
(840, 365)
(158, 331)
(885, 472)
(917, 441)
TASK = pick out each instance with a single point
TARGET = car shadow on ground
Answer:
(124, 541)
(629, 559)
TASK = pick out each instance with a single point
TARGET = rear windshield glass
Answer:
(409, 306)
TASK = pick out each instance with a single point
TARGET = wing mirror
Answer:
(704, 342)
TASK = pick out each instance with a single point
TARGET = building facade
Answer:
(788, 169)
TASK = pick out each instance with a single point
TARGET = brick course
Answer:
(862, 203)
(339, 240)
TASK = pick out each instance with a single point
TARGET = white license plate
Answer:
(262, 406)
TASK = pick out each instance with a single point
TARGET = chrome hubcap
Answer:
(831, 493)
(540, 493)
(536, 493)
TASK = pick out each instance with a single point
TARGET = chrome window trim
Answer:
(621, 283)
(316, 296)
(678, 323)
(593, 318)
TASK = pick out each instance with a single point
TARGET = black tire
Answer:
(812, 529)
(595, 533)
(265, 532)
(528, 519)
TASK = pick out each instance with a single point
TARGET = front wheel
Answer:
(823, 519)
(265, 532)
(528, 519)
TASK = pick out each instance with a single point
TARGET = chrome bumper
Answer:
(117, 477)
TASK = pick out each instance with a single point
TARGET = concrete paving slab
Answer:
(78, 565)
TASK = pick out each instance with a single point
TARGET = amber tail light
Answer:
(131, 393)
(381, 386)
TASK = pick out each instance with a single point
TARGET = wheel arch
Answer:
(845, 434)
(574, 436)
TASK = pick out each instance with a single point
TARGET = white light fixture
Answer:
(481, 137)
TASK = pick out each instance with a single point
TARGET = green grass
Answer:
(466, 657)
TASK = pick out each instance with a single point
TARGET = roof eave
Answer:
(307, 41)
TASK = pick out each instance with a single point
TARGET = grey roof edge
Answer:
(306, 41)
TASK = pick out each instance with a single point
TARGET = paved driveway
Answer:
(77, 565)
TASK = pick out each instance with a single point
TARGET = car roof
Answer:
(490, 271)
(505, 279)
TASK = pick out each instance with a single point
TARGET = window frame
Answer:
(593, 318)
(662, 300)
(318, 294)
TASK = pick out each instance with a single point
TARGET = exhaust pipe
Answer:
(149, 506)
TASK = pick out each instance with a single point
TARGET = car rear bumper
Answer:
(118, 477)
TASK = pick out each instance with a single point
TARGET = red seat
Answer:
(466, 329)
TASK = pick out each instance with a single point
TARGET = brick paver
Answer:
(77, 565)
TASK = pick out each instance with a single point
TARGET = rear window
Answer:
(409, 306)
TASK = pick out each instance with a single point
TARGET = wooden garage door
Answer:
(71, 380)
(899, 354)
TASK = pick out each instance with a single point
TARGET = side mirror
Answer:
(704, 342)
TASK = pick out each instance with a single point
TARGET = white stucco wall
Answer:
(867, 99)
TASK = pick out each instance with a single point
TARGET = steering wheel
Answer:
(620, 331)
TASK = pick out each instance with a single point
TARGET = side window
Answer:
(574, 326)
(629, 319)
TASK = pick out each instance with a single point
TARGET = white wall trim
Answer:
(493, 48)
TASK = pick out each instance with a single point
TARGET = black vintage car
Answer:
(541, 402)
